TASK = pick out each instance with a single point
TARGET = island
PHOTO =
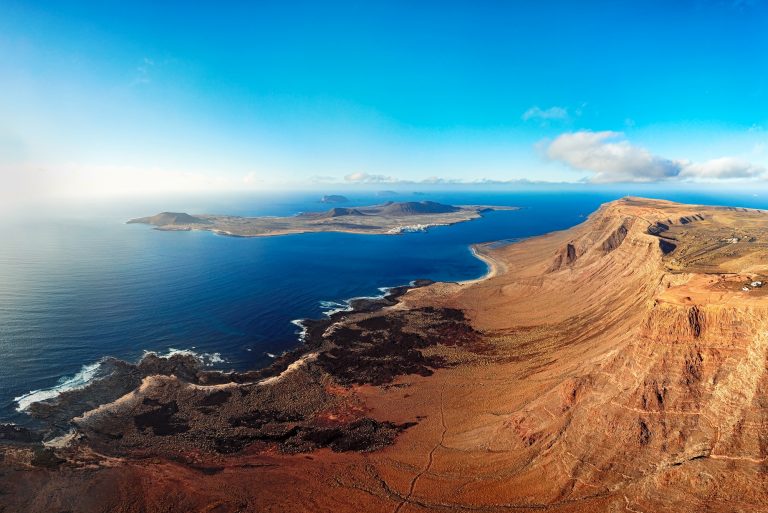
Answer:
(334, 198)
(619, 365)
(389, 218)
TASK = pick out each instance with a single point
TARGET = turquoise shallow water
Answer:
(81, 285)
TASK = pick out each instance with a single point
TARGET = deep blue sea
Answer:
(78, 284)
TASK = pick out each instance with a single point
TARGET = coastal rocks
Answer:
(18, 434)
(113, 379)
(301, 411)
(301, 403)
(167, 415)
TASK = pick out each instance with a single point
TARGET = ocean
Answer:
(77, 284)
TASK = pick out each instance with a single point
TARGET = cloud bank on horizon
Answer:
(611, 158)
(606, 155)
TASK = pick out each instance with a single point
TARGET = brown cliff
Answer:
(595, 371)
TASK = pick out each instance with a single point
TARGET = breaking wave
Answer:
(89, 373)
(78, 381)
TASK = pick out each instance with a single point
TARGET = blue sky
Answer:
(138, 97)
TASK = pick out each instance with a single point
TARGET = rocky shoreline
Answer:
(585, 375)
(172, 405)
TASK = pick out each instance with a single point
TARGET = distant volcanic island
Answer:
(616, 366)
(334, 198)
(388, 218)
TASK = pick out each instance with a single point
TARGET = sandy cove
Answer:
(590, 370)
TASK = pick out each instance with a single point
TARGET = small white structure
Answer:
(756, 284)
(745, 289)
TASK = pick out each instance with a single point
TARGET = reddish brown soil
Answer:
(594, 374)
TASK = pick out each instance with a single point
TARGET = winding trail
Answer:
(430, 460)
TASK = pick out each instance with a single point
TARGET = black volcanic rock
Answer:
(13, 433)
(113, 379)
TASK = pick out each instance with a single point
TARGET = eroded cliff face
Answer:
(653, 383)
(669, 417)
(616, 366)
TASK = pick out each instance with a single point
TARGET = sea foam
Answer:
(208, 359)
(76, 382)
(90, 372)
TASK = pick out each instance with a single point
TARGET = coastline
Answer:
(483, 252)
(348, 306)
(501, 391)
(74, 398)
(495, 267)
(389, 297)
(359, 223)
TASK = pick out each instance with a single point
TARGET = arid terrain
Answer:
(389, 218)
(616, 366)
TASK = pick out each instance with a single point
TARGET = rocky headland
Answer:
(620, 365)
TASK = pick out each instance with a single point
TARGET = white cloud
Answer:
(361, 177)
(544, 115)
(611, 158)
(440, 180)
(365, 178)
(722, 169)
